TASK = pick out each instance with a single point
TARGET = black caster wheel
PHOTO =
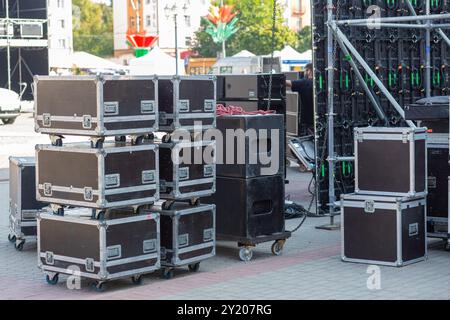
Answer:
(167, 205)
(277, 247)
(167, 274)
(57, 142)
(101, 215)
(194, 202)
(19, 246)
(167, 138)
(150, 136)
(194, 267)
(138, 140)
(120, 139)
(59, 212)
(52, 280)
(97, 144)
(98, 286)
(11, 238)
(137, 280)
(246, 254)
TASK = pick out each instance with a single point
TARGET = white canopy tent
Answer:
(84, 60)
(244, 54)
(156, 62)
(292, 58)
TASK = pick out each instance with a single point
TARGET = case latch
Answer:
(405, 137)
(209, 105)
(48, 189)
(49, 258)
(87, 122)
(413, 229)
(46, 120)
(369, 206)
(89, 265)
(88, 194)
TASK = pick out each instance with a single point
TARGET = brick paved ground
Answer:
(310, 268)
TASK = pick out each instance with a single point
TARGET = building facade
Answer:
(151, 16)
(60, 27)
(297, 13)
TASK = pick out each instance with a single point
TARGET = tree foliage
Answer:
(304, 39)
(93, 27)
(255, 31)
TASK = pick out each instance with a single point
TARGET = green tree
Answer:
(304, 39)
(255, 31)
(93, 28)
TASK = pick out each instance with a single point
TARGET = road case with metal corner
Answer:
(251, 86)
(96, 106)
(249, 212)
(119, 246)
(383, 230)
(437, 200)
(117, 175)
(187, 170)
(253, 145)
(23, 206)
(188, 235)
(187, 101)
(391, 161)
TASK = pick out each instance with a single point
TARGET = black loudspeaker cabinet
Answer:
(96, 106)
(186, 101)
(187, 169)
(118, 174)
(257, 148)
(248, 208)
(188, 234)
(23, 206)
(123, 245)
(250, 86)
(391, 161)
(383, 230)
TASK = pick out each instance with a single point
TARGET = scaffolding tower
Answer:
(336, 37)
(23, 44)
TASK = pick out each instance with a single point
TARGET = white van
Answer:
(9, 106)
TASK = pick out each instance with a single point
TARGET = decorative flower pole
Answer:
(141, 43)
(222, 24)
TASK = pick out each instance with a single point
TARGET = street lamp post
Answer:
(174, 10)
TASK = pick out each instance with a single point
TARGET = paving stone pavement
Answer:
(310, 267)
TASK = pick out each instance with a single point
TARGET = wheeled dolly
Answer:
(247, 245)
(52, 279)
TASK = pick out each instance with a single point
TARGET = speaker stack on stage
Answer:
(384, 221)
(187, 107)
(250, 191)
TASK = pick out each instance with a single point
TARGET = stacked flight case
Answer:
(250, 182)
(113, 178)
(433, 112)
(384, 222)
(23, 206)
(187, 171)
